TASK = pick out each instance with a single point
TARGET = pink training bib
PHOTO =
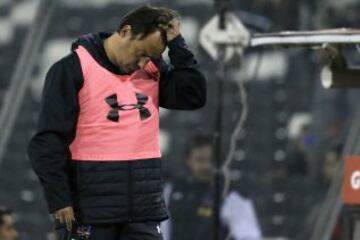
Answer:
(119, 114)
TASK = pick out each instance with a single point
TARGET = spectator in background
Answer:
(7, 227)
(330, 165)
(329, 170)
(190, 201)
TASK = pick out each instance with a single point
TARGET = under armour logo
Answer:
(114, 116)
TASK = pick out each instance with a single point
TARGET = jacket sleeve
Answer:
(49, 148)
(182, 85)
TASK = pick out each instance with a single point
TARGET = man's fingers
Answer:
(69, 216)
(61, 218)
(65, 215)
(72, 217)
(164, 26)
(175, 23)
(69, 222)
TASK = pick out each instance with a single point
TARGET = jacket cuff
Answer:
(57, 199)
(178, 41)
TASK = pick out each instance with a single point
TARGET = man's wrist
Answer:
(177, 41)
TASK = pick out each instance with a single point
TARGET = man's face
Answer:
(331, 164)
(7, 229)
(138, 51)
(200, 163)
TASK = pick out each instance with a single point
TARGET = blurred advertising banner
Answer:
(351, 181)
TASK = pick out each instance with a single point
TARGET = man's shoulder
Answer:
(71, 60)
(68, 66)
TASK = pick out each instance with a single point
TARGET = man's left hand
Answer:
(172, 29)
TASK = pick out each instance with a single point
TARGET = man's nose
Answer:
(143, 61)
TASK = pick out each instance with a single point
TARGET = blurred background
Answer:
(290, 145)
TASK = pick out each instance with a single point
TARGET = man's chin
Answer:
(204, 178)
(128, 72)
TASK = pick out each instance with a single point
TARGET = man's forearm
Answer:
(180, 54)
(51, 169)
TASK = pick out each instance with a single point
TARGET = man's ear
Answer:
(125, 31)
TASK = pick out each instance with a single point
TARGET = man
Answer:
(331, 162)
(96, 150)
(190, 201)
(7, 228)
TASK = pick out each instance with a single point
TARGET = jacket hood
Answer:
(93, 43)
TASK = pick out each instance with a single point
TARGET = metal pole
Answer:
(222, 6)
(21, 77)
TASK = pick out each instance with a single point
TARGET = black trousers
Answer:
(123, 231)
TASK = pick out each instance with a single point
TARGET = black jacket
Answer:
(191, 207)
(100, 191)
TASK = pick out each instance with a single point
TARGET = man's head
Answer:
(140, 36)
(7, 228)
(331, 162)
(199, 157)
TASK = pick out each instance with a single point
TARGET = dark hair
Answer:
(146, 20)
(198, 141)
(4, 211)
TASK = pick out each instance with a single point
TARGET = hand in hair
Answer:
(172, 29)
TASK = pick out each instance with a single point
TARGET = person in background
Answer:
(297, 162)
(190, 201)
(332, 158)
(7, 225)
